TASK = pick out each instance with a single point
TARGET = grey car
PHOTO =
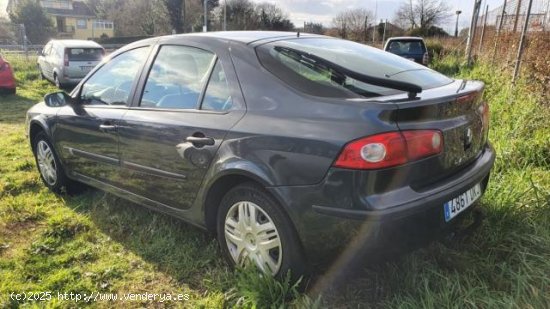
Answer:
(287, 146)
(66, 62)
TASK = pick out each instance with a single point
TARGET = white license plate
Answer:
(458, 204)
(87, 68)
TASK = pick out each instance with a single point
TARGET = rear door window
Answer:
(85, 54)
(217, 96)
(177, 77)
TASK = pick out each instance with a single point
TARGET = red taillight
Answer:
(390, 149)
(422, 143)
(425, 58)
(66, 58)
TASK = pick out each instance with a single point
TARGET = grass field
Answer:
(95, 242)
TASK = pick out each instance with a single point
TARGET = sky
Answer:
(324, 10)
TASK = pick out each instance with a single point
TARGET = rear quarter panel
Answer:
(291, 137)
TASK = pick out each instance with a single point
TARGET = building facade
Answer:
(73, 19)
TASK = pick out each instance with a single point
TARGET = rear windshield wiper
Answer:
(410, 88)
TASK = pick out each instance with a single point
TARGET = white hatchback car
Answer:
(66, 62)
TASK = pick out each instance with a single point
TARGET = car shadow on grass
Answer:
(180, 250)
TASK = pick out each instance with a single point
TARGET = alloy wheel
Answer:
(46, 162)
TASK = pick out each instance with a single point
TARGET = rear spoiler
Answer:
(410, 88)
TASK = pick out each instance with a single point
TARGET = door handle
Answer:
(107, 128)
(200, 141)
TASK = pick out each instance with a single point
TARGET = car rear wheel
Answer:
(49, 166)
(253, 229)
(56, 81)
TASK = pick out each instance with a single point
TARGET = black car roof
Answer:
(247, 37)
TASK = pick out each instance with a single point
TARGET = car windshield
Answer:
(85, 54)
(406, 47)
(289, 61)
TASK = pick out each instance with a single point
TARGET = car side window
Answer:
(217, 96)
(177, 77)
(112, 83)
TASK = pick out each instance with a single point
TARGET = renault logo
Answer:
(468, 136)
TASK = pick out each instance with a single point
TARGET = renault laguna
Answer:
(286, 146)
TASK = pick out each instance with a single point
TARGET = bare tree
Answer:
(352, 24)
(245, 15)
(272, 17)
(313, 27)
(423, 14)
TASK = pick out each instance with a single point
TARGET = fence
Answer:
(515, 37)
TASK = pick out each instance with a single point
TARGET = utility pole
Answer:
(483, 29)
(374, 24)
(458, 12)
(225, 15)
(365, 27)
(518, 10)
(522, 42)
(472, 32)
(205, 27)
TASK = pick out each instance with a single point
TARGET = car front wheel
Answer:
(252, 228)
(49, 166)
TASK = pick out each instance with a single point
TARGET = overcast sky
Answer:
(324, 10)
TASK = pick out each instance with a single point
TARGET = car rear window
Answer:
(288, 60)
(85, 54)
(406, 47)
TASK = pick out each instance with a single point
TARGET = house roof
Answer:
(80, 9)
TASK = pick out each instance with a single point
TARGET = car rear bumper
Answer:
(7, 83)
(411, 216)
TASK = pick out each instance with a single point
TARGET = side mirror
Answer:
(57, 99)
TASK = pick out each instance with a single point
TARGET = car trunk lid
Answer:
(457, 110)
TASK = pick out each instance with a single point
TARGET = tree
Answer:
(352, 24)
(176, 14)
(272, 17)
(38, 27)
(313, 27)
(245, 15)
(423, 14)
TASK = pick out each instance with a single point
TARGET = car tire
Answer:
(50, 168)
(56, 81)
(274, 248)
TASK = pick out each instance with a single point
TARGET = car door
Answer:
(190, 99)
(85, 134)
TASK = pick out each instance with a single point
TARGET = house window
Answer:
(81, 24)
(103, 24)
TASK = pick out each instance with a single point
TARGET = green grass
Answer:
(97, 242)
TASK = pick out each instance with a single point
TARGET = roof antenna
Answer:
(298, 34)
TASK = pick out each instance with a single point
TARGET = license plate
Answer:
(458, 204)
(86, 68)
